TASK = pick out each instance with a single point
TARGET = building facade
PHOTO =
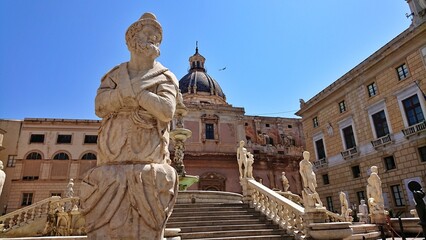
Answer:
(374, 115)
(43, 154)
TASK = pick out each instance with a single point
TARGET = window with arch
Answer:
(34, 156)
(61, 156)
(89, 156)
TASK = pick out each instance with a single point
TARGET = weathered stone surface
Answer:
(131, 192)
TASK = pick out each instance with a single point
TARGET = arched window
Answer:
(34, 156)
(89, 156)
(61, 156)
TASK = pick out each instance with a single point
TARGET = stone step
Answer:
(209, 206)
(231, 233)
(364, 231)
(264, 237)
(214, 218)
(207, 222)
(253, 226)
(220, 212)
(225, 221)
(208, 209)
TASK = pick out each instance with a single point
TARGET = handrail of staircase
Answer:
(334, 217)
(282, 211)
(30, 213)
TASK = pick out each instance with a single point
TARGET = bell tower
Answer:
(418, 11)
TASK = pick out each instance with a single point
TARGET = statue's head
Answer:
(242, 143)
(283, 173)
(144, 36)
(306, 155)
(374, 169)
(362, 201)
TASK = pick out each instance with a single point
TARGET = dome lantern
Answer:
(199, 87)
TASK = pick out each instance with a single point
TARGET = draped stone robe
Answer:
(131, 192)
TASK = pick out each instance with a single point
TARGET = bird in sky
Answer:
(222, 69)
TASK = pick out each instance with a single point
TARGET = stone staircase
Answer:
(364, 231)
(224, 221)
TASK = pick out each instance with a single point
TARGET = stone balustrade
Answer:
(39, 217)
(25, 215)
(282, 211)
(334, 217)
(288, 214)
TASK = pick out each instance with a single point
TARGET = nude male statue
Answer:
(131, 192)
(242, 159)
(309, 182)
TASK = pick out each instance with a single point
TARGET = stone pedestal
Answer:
(247, 194)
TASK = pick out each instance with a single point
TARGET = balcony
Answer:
(381, 141)
(350, 153)
(320, 163)
(415, 129)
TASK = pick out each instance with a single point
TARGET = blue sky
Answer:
(53, 53)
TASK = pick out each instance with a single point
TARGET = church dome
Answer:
(199, 86)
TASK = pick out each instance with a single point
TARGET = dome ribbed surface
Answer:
(200, 81)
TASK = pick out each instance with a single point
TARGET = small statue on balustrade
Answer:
(248, 170)
(285, 182)
(70, 189)
(242, 159)
(346, 212)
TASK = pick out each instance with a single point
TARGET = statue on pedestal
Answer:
(249, 165)
(2, 177)
(284, 180)
(242, 159)
(346, 212)
(310, 196)
(375, 196)
(363, 211)
(131, 192)
(70, 189)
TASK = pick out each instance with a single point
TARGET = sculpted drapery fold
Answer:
(131, 192)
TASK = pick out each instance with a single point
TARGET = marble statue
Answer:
(419, 195)
(374, 195)
(310, 196)
(131, 192)
(363, 212)
(70, 189)
(2, 177)
(344, 206)
(284, 180)
(242, 158)
(249, 165)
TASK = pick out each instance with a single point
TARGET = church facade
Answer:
(41, 155)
